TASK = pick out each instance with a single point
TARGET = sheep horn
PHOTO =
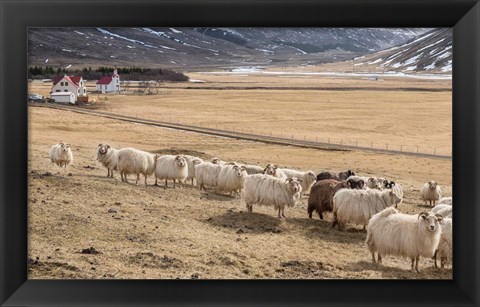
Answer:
(423, 214)
(439, 217)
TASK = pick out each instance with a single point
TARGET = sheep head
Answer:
(430, 221)
(432, 185)
(271, 169)
(180, 161)
(293, 184)
(240, 171)
(103, 149)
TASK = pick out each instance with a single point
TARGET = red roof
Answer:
(72, 79)
(105, 80)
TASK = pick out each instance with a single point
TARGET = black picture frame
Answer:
(17, 16)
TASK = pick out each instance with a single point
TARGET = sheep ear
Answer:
(439, 217)
(108, 146)
(243, 168)
(99, 145)
(275, 166)
(423, 215)
(67, 145)
(177, 157)
(235, 167)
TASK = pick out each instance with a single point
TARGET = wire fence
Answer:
(281, 137)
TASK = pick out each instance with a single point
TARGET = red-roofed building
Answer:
(109, 84)
(74, 84)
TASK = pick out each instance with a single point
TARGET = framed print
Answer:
(239, 153)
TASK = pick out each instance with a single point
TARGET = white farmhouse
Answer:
(109, 84)
(73, 84)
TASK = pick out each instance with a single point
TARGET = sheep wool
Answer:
(393, 233)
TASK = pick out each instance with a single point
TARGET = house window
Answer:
(65, 90)
(84, 91)
(57, 91)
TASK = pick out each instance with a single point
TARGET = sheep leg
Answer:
(283, 212)
(416, 263)
(174, 183)
(379, 258)
(138, 179)
(373, 257)
(442, 262)
(435, 258)
(166, 183)
(364, 227)
(145, 180)
(413, 263)
(108, 172)
(319, 214)
(279, 213)
(334, 220)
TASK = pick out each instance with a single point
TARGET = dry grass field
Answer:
(83, 225)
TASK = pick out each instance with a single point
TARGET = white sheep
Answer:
(206, 174)
(218, 161)
(266, 190)
(392, 233)
(171, 167)
(231, 179)
(134, 161)
(431, 192)
(275, 171)
(108, 157)
(443, 209)
(61, 154)
(252, 169)
(191, 162)
(308, 178)
(444, 251)
(358, 206)
(445, 201)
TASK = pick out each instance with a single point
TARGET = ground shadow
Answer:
(315, 228)
(388, 271)
(246, 222)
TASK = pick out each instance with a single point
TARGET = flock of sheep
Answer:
(367, 201)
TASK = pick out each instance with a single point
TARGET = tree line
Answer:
(126, 73)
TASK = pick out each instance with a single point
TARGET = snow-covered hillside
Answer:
(190, 48)
(430, 52)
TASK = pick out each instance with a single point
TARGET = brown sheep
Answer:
(321, 196)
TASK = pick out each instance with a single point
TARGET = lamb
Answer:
(266, 190)
(108, 157)
(61, 154)
(338, 177)
(191, 162)
(322, 192)
(446, 201)
(134, 161)
(308, 178)
(171, 167)
(392, 233)
(275, 171)
(358, 206)
(431, 192)
(206, 174)
(231, 179)
(444, 251)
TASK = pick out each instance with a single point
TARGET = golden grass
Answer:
(184, 233)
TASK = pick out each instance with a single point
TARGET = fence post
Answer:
(401, 147)
(387, 146)
(417, 149)
(434, 150)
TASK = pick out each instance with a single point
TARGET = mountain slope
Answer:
(430, 52)
(190, 48)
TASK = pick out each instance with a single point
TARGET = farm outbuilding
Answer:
(64, 97)
(74, 84)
